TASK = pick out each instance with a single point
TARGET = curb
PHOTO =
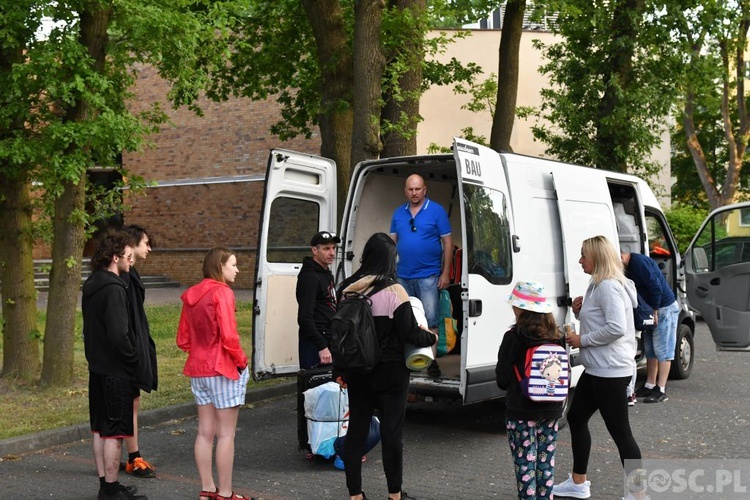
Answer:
(21, 445)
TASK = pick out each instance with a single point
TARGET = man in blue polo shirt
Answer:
(422, 234)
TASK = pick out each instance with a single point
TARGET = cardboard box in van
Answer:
(514, 217)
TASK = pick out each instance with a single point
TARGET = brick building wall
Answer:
(209, 173)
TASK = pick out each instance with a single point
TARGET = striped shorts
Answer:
(220, 391)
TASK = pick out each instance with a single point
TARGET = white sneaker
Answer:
(572, 490)
(633, 497)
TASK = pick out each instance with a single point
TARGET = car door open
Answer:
(717, 268)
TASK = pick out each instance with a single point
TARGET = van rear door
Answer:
(299, 200)
(488, 236)
(585, 209)
(717, 269)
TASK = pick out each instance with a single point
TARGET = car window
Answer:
(723, 241)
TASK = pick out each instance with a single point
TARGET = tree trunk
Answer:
(696, 151)
(368, 73)
(335, 61)
(17, 292)
(737, 145)
(507, 76)
(611, 143)
(405, 109)
(69, 226)
(20, 332)
(64, 285)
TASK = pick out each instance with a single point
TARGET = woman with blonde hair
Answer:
(607, 351)
(217, 367)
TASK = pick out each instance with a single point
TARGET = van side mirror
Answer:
(700, 259)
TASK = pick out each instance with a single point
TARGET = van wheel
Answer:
(564, 419)
(684, 354)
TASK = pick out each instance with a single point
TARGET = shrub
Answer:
(685, 222)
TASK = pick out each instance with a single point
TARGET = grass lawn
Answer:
(28, 408)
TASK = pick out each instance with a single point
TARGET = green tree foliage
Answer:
(608, 95)
(685, 220)
(65, 112)
(318, 84)
(713, 116)
(687, 188)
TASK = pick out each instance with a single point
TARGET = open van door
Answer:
(299, 200)
(489, 242)
(717, 269)
(585, 210)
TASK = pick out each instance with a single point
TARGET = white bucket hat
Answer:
(530, 296)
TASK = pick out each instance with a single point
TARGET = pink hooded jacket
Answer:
(208, 331)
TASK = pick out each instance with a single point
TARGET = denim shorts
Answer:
(426, 290)
(660, 342)
(220, 391)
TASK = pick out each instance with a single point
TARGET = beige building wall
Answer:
(443, 117)
(441, 109)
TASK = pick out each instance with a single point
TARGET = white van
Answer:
(515, 217)
(717, 266)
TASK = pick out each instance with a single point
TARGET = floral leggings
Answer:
(532, 444)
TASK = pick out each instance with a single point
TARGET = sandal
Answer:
(211, 495)
(234, 496)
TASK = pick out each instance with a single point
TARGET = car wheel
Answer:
(684, 354)
(564, 419)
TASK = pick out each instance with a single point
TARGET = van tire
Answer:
(564, 419)
(684, 354)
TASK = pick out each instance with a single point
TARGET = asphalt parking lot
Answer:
(452, 451)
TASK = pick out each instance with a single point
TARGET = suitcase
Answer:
(307, 379)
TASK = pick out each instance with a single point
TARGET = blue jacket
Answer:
(649, 281)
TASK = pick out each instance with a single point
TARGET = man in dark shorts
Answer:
(109, 343)
(146, 375)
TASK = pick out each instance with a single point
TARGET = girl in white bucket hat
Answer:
(531, 426)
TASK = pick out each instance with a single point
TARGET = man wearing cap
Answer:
(316, 298)
(422, 233)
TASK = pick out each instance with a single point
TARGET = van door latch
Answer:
(475, 308)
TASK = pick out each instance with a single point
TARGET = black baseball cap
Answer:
(323, 237)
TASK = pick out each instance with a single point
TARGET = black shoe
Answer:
(406, 496)
(123, 493)
(130, 489)
(644, 392)
(656, 397)
(434, 370)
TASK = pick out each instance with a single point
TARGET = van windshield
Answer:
(488, 234)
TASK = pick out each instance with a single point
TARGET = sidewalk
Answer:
(21, 445)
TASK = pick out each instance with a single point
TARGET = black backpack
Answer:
(355, 344)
